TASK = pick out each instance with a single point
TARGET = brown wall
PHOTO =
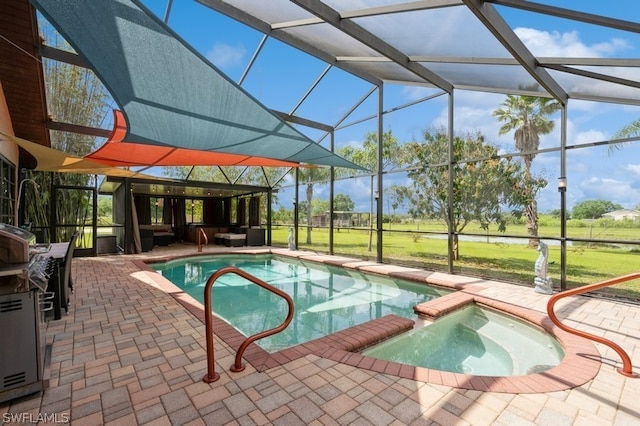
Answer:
(8, 149)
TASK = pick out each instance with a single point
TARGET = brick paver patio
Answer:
(131, 353)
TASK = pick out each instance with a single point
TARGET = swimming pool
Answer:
(477, 341)
(326, 298)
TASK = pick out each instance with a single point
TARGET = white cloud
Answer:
(579, 168)
(589, 136)
(585, 106)
(226, 56)
(414, 93)
(352, 142)
(614, 45)
(358, 189)
(554, 43)
(614, 190)
(473, 109)
(633, 168)
(557, 44)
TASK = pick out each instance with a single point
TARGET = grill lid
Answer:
(14, 244)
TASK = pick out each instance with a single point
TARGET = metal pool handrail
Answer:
(211, 375)
(627, 368)
(206, 239)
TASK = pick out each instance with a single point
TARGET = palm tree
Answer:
(310, 176)
(631, 130)
(367, 157)
(528, 116)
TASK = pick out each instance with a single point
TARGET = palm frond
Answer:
(628, 131)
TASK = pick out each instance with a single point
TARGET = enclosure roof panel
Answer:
(431, 43)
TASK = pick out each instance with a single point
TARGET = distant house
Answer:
(622, 215)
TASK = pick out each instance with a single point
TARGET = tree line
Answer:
(486, 188)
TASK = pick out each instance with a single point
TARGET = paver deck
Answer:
(129, 352)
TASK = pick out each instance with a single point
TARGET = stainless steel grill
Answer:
(24, 275)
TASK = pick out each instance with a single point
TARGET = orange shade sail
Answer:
(53, 160)
(117, 152)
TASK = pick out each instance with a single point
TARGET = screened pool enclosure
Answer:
(419, 122)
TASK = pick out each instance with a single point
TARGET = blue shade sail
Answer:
(170, 94)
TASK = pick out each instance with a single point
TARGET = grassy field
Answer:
(507, 260)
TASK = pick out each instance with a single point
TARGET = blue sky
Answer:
(282, 75)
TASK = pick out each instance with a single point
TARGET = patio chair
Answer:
(60, 279)
(65, 264)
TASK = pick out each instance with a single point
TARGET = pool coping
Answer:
(580, 364)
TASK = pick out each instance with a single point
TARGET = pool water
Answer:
(476, 341)
(326, 299)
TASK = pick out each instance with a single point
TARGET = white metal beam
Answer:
(573, 15)
(595, 75)
(487, 14)
(591, 62)
(400, 8)
(331, 16)
(265, 28)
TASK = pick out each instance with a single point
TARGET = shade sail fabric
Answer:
(52, 160)
(117, 152)
(172, 96)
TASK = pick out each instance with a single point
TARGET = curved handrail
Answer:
(211, 375)
(206, 239)
(627, 368)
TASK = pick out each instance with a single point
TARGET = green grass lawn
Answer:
(505, 261)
